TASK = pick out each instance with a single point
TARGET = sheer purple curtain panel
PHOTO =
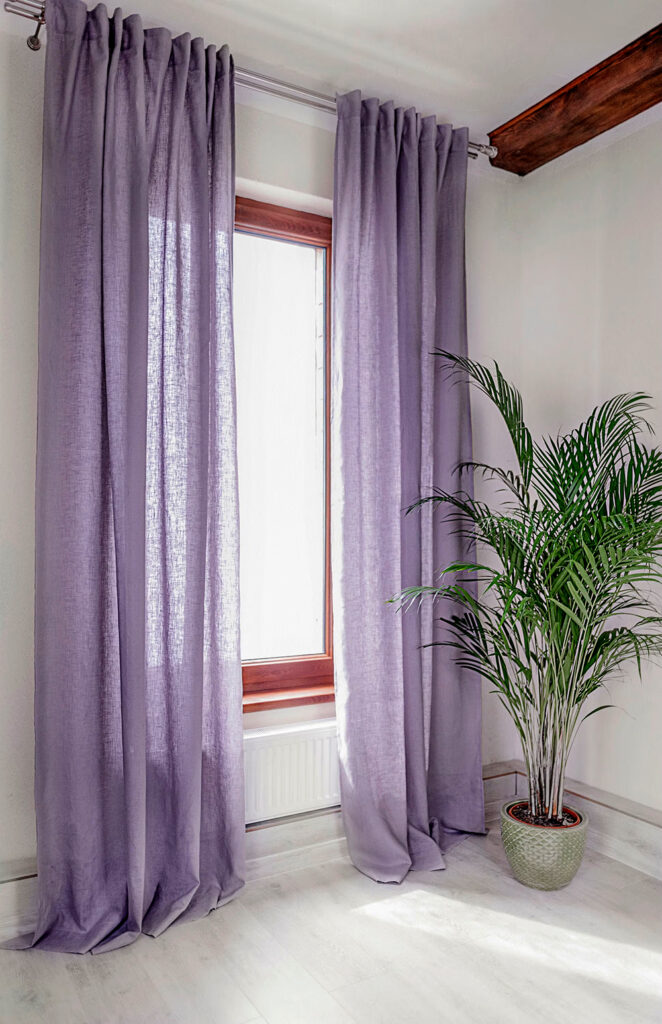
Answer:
(408, 717)
(139, 779)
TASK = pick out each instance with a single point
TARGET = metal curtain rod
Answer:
(35, 11)
(318, 100)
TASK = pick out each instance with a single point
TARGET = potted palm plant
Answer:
(559, 598)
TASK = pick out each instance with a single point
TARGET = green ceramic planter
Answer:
(541, 857)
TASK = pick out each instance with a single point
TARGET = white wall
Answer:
(21, 98)
(565, 291)
(493, 269)
(590, 301)
(284, 159)
(564, 271)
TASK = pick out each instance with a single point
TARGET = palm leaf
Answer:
(566, 598)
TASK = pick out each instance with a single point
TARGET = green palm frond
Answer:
(507, 400)
(567, 597)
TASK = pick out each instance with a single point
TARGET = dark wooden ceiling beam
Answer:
(611, 92)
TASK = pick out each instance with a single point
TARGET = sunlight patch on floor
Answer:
(515, 937)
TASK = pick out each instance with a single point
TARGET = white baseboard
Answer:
(271, 849)
(289, 770)
(18, 907)
(619, 828)
(499, 784)
(301, 842)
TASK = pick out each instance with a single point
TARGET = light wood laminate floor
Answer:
(325, 945)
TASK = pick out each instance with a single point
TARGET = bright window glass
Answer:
(279, 316)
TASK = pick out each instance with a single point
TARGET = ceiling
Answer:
(472, 62)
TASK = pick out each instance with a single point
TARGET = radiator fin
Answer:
(291, 769)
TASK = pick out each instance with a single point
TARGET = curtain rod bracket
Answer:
(33, 41)
(33, 10)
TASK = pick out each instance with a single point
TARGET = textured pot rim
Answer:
(508, 806)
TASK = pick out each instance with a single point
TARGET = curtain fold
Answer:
(139, 779)
(408, 717)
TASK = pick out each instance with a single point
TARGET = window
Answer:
(281, 319)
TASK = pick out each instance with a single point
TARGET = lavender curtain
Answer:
(409, 718)
(139, 789)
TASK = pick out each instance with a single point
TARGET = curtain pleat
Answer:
(408, 717)
(139, 783)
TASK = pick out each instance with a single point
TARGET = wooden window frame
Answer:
(288, 682)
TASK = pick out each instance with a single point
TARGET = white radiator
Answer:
(290, 769)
